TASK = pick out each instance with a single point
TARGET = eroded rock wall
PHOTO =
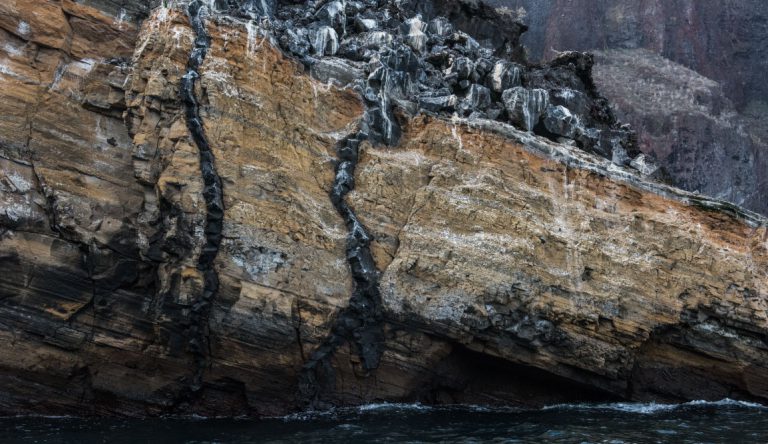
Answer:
(102, 278)
(567, 269)
(688, 124)
(511, 269)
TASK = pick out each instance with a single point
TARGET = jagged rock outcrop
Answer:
(409, 58)
(464, 260)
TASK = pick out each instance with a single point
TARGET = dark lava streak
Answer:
(360, 323)
(212, 193)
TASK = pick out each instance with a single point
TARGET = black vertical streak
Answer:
(212, 193)
(360, 323)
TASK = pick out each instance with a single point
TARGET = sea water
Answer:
(696, 422)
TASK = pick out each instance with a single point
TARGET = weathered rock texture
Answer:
(706, 122)
(515, 255)
(512, 269)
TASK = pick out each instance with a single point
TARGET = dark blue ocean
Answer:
(696, 422)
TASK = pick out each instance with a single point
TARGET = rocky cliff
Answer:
(252, 208)
(698, 64)
(722, 40)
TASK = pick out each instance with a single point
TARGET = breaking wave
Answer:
(652, 407)
(416, 408)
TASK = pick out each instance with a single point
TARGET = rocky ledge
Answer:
(257, 208)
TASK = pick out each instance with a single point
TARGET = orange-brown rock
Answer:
(572, 269)
(513, 270)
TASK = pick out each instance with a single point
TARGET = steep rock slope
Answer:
(725, 41)
(511, 269)
(687, 123)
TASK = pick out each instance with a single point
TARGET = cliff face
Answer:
(698, 63)
(722, 40)
(468, 262)
(689, 125)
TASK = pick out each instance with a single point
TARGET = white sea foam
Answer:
(310, 415)
(652, 407)
(388, 407)
(363, 409)
(727, 402)
(625, 407)
(35, 416)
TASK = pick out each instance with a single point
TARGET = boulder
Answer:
(525, 106)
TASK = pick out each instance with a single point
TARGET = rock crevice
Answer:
(361, 322)
(212, 193)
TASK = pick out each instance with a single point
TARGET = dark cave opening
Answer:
(466, 376)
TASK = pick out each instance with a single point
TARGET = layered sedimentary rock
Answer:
(469, 261)
(550, 264)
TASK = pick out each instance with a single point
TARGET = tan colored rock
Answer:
(273, 131)
(518, 256)
(40, 22)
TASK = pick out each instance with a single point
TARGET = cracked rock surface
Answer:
(457, 255)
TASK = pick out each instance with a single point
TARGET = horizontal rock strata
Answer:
(511, 269)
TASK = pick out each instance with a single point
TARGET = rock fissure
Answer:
(297, 329)
(361, 323)
(50, 200)
(402, 64)
(412, 60)
(199, 343)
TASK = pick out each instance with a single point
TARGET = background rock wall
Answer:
(706, 125)
(722, 40)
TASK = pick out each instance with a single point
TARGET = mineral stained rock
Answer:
(465, 261)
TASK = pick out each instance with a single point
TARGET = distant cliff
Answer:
(708, 126)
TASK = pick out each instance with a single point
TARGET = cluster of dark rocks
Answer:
(451, 58)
